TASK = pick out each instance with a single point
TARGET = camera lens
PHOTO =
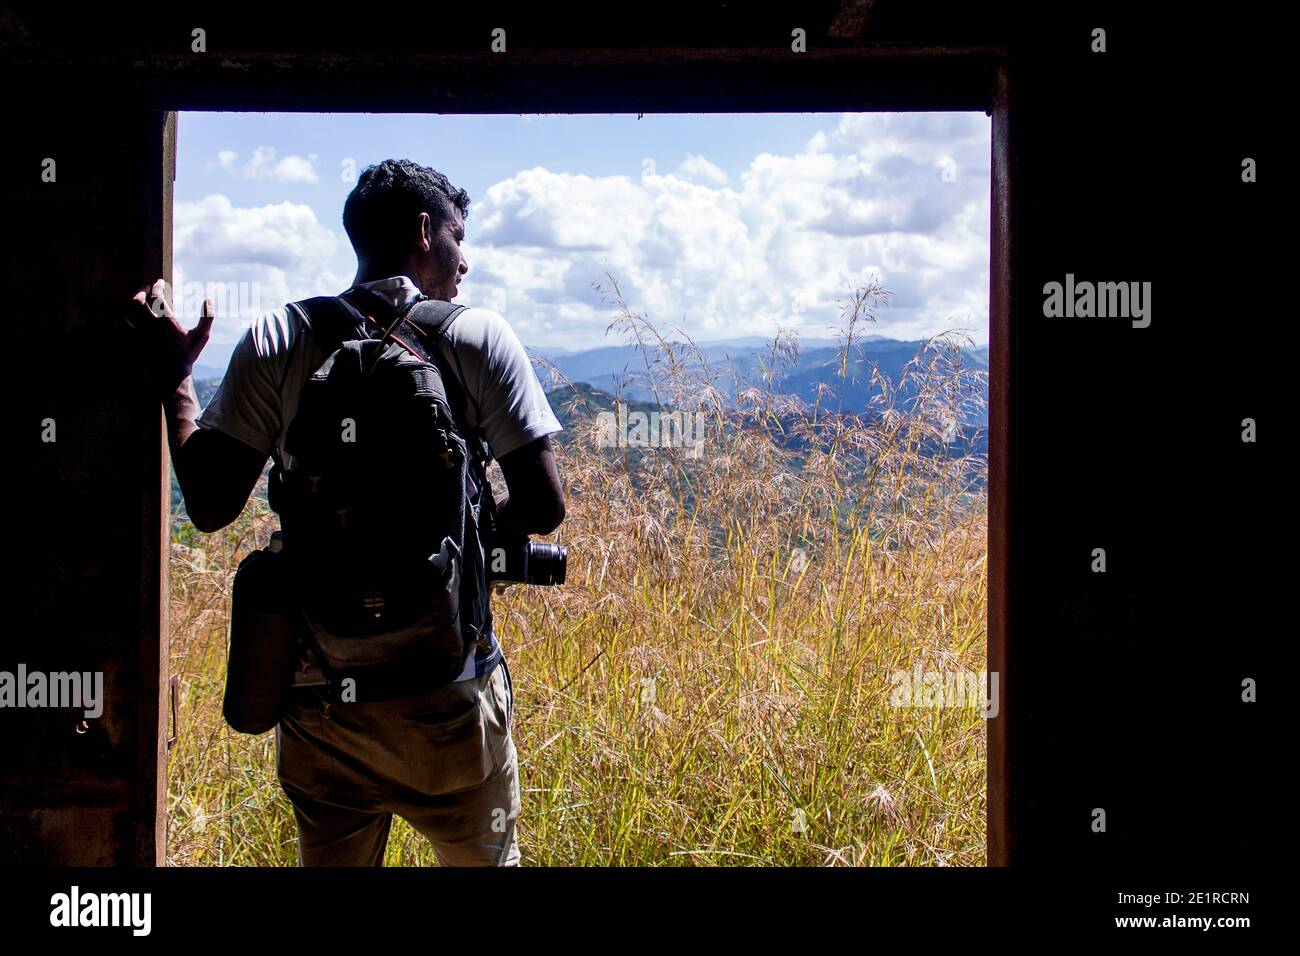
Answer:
(547, 562)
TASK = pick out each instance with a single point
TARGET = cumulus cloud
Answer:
(903, 197)
(782, 241)
(249, 260)
(700, 169)
(263, 165)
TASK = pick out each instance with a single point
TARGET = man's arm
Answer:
(216, 472)
(515, 419)
(534, 499)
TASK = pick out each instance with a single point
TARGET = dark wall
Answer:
(1128, 167)
(86, 511)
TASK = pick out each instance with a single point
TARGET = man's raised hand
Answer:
(169, 349)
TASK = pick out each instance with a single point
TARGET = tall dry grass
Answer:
(712, 686)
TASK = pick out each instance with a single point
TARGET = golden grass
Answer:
(712, 685)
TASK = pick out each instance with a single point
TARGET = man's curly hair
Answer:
(379, 212)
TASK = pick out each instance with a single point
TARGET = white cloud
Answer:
(251, 260)
(787, 245)
(903, 196)
(263, 165)
(701, 170)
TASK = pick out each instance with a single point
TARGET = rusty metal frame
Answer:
(1000, 831)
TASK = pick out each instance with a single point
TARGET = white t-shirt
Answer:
(258, 397)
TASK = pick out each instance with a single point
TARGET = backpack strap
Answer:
(422, 327)
(419, 330)
(329, 321)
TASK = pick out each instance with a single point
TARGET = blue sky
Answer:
(720, 224)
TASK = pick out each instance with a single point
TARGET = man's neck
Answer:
(375, 274)
(382, 300)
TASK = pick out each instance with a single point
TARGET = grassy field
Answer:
(714, 684)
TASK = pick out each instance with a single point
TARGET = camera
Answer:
(520, 561)
(510, 558)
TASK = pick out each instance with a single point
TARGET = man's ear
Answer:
(426, 232)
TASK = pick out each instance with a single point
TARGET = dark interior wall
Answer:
(1118, 687)
(87, 512)
(1128, 167)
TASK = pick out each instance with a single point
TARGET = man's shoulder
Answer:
(485, 332)
(273, 333)
(481, 321)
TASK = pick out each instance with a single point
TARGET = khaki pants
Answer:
(444, 761)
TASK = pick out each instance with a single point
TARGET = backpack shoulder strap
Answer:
(325, 319)
(419, 331)
(329, 320)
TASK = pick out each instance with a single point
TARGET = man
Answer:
(443, 760)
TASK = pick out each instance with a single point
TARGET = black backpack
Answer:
(380, 515)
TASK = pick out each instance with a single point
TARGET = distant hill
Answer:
(600, 373)
(584, 400)
(205, 388)
(203, 372)
(622, 368)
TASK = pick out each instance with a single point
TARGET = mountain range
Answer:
(621, 369)
(602, 373)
